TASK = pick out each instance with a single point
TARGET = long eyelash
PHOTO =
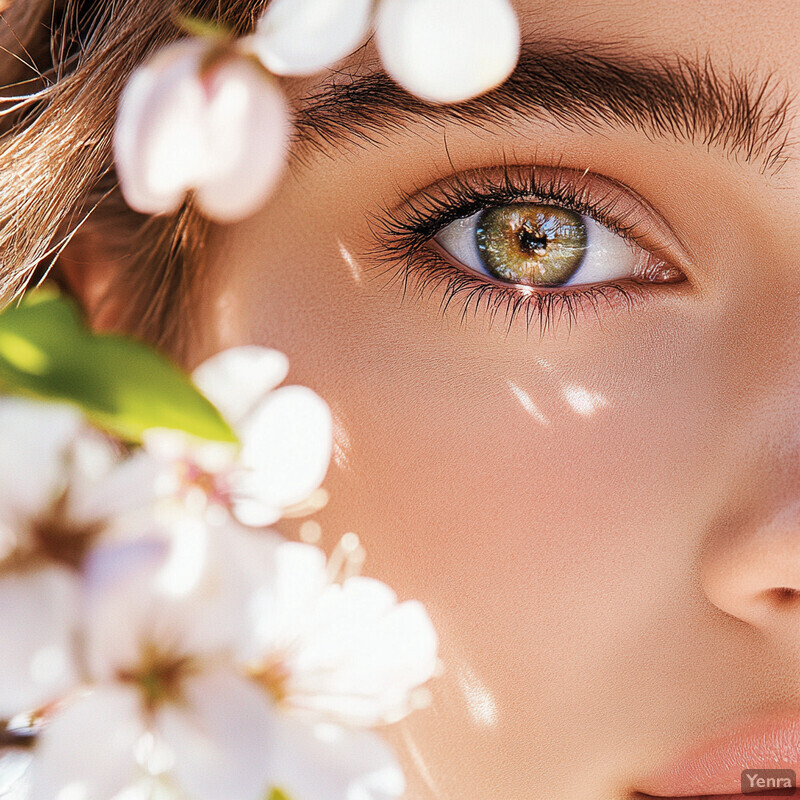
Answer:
(426, 214)
(404, 234)
(541, 309)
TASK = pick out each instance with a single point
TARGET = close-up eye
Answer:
(537, 244)
(531, 241)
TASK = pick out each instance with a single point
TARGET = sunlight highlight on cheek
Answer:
(347, 257)
(583, 401)
(480, 701)
(527, 403)
(341, 445)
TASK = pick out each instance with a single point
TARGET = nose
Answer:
(750, 568)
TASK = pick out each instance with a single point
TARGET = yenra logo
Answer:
(769, 782)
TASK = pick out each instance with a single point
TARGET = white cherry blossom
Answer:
(200, 116)
(343, 652)
(163, 700)
(204, 116)
(285, 434)
(216, 660)
(335, 658)
(301, 37)
(310, 760)
(447, 51)
(52, 510)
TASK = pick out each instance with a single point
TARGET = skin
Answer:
(598, 519)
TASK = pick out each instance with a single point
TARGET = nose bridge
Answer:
(750, 557)
(764, 435)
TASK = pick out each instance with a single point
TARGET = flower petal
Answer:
(126, 487)
(151, 788)
(235, 379)
(284, 604)
(37, 627)
(220, 737)
(15, 773)
(363, 656)
(158, 145)
(447, 51)
(247, 127)
(178, 591)
(286, 449)
(314, 761)
(33, 450)
(87, 750)
(301, 37)
(352, 653)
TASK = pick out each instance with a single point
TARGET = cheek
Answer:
(549, 491)
(547, 475)
(525, 490)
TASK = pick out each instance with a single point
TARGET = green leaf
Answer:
(196, 26)
(277, 794)
(123, 386)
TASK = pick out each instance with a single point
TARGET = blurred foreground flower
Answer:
(447, 51)
(301, 37)
(52, 513)
(444, 51)
(204, 115)
(285, 435)
(164, 697)
(336, 658)
(200, 116)
(153, 646)
(224, 685)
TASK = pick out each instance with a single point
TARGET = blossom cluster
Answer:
(160, 641)
(207, 115)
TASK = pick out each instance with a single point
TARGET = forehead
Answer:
(758, 35)
(711, 72)
(762, 34)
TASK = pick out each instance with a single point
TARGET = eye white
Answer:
(608, 256)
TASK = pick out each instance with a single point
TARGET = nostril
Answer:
(784, 596)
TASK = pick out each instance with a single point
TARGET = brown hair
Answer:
(63, 67)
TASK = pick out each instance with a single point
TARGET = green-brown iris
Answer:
(531, 243)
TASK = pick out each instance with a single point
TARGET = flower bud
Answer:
(201, 117)
(447, 51)
(301, 37)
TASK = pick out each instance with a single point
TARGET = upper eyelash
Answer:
(424, 215)
(404, 233)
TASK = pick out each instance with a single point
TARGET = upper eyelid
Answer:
(497, 185)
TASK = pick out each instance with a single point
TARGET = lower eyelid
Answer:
(429, 277)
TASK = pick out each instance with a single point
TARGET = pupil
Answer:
(532, 244)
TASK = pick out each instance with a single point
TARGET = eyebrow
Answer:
(578, 87)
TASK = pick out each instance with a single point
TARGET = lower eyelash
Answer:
(538, 308)
(405, 236)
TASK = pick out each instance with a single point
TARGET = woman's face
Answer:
(594, 487)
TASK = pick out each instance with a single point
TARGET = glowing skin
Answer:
(600, 519)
